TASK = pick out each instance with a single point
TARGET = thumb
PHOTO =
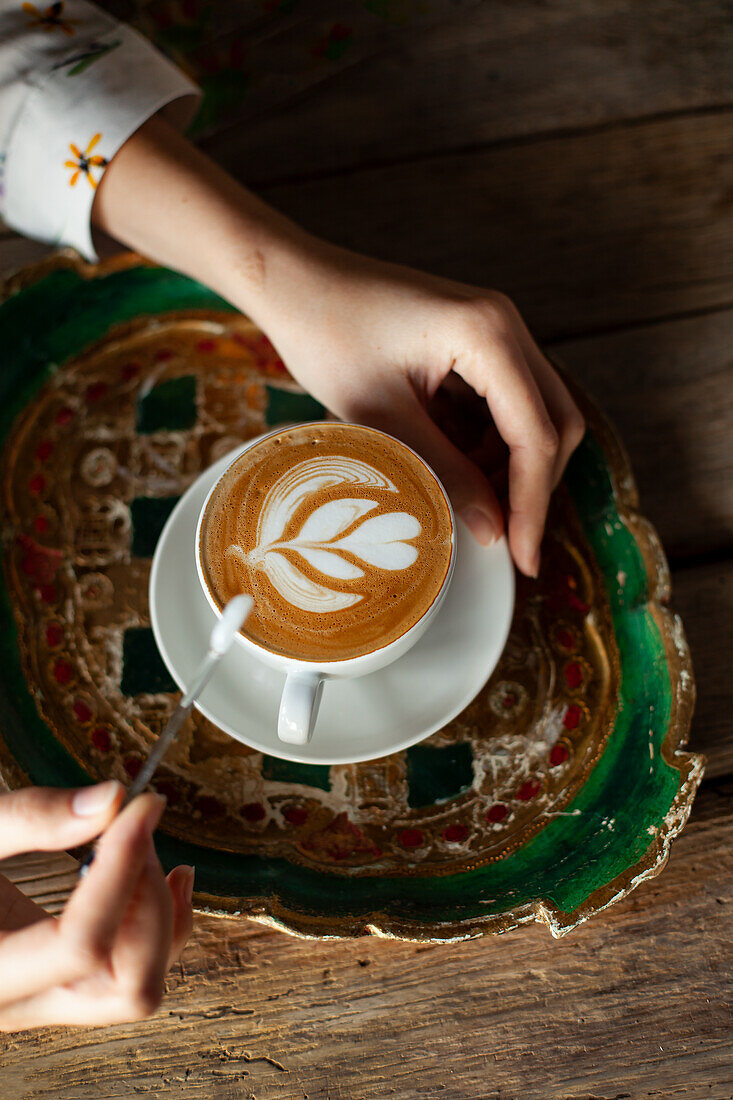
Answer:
(470, 492)
(47, 819)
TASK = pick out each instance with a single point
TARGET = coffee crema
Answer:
(340, 533)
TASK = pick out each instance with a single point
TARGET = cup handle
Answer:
(299, 705)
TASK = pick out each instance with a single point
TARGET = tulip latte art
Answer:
(341, 534)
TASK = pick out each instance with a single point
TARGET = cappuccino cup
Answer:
(345, 539)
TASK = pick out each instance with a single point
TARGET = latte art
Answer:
(343, 550)
(332, 536)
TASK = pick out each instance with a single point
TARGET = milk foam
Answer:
(307, 478)
(341, 535)
(378, 542)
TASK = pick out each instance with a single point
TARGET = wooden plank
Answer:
(496, 72)
(589, 231)
(668, 388)
(635, 1002)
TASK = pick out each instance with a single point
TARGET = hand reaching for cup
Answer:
(373, 341)
(104, 960)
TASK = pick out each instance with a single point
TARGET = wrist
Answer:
(163, 198)
(265, 266)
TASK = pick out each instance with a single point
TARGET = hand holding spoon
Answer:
(233, 618)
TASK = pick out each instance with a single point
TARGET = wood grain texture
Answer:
(461, 151)
(635, 1003)
(668, 388)
(481, 73)
(586, 231)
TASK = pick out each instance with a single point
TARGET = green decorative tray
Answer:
(555, 793)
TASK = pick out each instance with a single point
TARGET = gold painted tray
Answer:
(553, 794)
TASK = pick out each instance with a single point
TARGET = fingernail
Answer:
(187, 887)
(534, 570)
(94, 800)
(481, 526)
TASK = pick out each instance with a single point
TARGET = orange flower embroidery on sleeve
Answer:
(84, 162)
(52, 18)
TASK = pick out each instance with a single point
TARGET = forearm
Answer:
(372, 341)
(163, 198)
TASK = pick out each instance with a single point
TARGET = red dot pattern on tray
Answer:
(295, 815)
(82, 711)
(253, 811)
(572, 716)
(455, 833)
(101, 739)
(573, 673)
(528, 790)
(558, 754)
(63, 671)
(496, 813)
(411, 838)
(132, 765)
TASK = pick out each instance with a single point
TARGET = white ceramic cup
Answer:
(304, 680)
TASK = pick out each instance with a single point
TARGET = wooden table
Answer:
(577, 156)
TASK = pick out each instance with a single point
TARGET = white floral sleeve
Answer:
(74, 85)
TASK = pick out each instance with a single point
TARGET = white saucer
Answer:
(360, 719)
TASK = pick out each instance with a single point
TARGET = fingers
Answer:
(470, 492)
(155, 928)
(564, 413)
(500, 373)
(530, 488)
(534, 415)
(156, 925)
(143, 944)
(54, 952)
(32, 960)
(180, 884)
(46, 819)
(97, 907)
